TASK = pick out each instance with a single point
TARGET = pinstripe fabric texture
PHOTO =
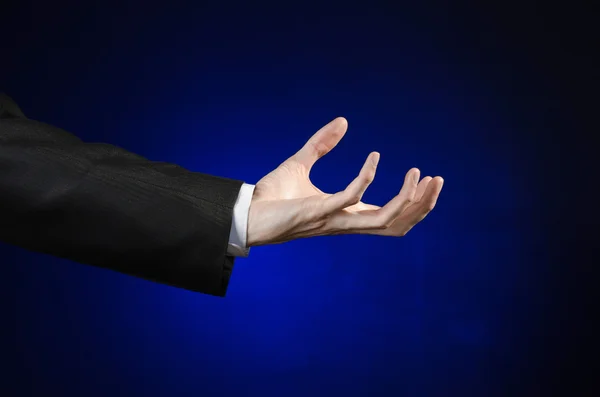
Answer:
(101, 205)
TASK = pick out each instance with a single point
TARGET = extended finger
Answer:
(322, 142)
(385, 216)
(408, 219)
(420, 210)
(356, 189)
(398, 204)
(421, 187)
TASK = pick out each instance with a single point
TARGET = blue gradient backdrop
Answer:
(454, 308)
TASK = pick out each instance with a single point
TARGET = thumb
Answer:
(322, 142)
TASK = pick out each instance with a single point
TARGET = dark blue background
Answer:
(466, 304)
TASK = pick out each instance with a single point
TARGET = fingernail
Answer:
(375, 159)
(416, 176)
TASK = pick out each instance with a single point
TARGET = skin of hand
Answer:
(286, 205)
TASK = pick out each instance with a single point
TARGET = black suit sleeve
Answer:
(101, 205)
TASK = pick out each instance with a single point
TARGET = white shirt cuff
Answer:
(239, 225)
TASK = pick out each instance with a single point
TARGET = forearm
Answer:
(102, 205)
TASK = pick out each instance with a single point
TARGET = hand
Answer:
(287, 206)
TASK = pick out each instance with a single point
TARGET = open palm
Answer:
(289, 188)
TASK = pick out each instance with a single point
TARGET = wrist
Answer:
(255, 235)
(251, 232)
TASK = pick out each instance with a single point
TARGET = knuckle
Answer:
(319, 148)
(428, 207)
(406, 197)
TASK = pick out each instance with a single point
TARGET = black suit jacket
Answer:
(102, 205)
